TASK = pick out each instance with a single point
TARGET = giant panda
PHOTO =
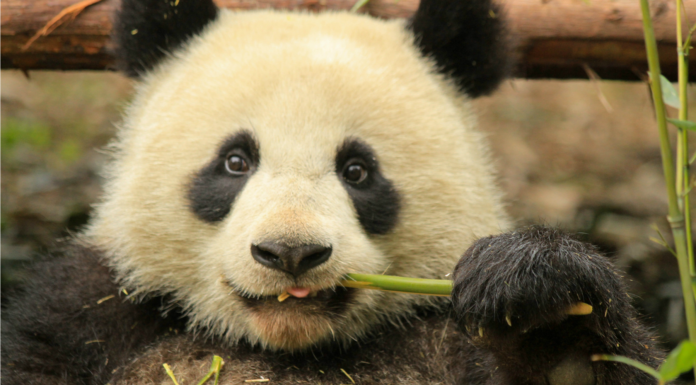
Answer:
(268, 151)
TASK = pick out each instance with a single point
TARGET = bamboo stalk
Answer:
(422, 286)
(438, 287)
(676, 218)
(683, 177)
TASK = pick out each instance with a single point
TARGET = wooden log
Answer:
(554, 38)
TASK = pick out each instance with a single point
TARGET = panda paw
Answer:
(514, 295)
(522, 280)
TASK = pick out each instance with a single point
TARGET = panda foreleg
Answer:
(512, 293)
(71, 325)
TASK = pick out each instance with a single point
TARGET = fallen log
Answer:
(553, 38)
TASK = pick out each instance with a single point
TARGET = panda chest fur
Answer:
(427, 356)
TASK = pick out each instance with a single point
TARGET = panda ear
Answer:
(467, 39)
(147, 30)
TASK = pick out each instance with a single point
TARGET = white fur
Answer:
(302, 84)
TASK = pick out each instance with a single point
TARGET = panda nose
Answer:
(292, 260)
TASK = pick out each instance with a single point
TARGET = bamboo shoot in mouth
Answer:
(423, 286)
(438, 287)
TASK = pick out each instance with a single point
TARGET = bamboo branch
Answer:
(676, 218)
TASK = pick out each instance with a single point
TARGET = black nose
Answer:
(292, 260)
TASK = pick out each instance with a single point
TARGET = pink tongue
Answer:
(299, 292)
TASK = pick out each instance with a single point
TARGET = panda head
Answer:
(269, 151)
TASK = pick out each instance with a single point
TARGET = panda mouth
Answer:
(333, 300)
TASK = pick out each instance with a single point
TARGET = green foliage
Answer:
(17, 131)
(627, 361)
(171, 375)
(215, 368)
(680, 360)
(70, 150)
(683, 124)
(358, 4)
(669, 94)
(39, 138)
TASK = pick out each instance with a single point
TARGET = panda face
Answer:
(281, 151)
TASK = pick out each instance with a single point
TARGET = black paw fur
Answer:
(511, 296)
(526, 279)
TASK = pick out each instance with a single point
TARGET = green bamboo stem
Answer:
(683, 178)
(676, 218)
(439, 287)
(656, 88)
(422, 286)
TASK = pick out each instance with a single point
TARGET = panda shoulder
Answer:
(71, 318)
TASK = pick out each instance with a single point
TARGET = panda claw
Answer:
(579, 308)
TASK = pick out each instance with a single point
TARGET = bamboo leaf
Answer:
(669, 94)
(170, 373)
(217, 360)
(628, 361)
(687, 43)
(358, 4)
(662, 240)
(679, 361)
(214, 369)
(693, 158)
(659, 242)
(684, 124)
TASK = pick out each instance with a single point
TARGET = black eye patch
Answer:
(374, 197)
(213, 189)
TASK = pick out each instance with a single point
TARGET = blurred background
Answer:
(582, 155)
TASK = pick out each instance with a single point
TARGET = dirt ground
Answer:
(578, 154)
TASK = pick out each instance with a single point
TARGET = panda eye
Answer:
(236, 165)
(354, 172)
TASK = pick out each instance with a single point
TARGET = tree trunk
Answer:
(553, 38)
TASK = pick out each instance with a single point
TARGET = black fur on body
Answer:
(71, 325)
(57, 332)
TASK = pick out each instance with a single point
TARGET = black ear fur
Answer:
(467, 39)
(147, 30)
